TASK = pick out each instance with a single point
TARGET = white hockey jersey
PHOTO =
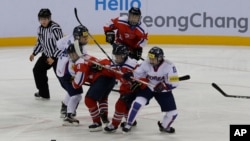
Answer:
(63, 44)
(166, 72)
(76, 72)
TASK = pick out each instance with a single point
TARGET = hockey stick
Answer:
(119, 72)
(185, 77)
(77, 48)
(76, 15)
(227, 95)
(79, 53)
(114, 90)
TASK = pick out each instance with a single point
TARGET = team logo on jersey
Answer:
(129, 36)
(155, 78)
(126, 35)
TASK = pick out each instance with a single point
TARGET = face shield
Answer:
(119, 59)
(82, 37)
(153, 60)
(134, 19)
(83, 40)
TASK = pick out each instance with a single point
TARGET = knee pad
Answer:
(136, 106)
(141, 100)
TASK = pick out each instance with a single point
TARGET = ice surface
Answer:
(204, 114)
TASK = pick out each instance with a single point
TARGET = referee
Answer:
(48, 33)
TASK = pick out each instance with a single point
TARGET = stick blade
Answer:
(219, 89)
(77, 48)
(227, 95)
(185, 77)
(75, 10)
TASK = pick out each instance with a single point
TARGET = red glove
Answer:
(160, 87)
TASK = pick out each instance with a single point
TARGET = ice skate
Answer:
(167, 130)
(95, 127)
(126, 128)
(63, 110)
(124, 123)
(74, 114)
(110, 129)
(70, 121)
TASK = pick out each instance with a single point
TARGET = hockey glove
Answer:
(127, 76)
(135, 86)
(136, 53)
(110, 37)
(95, 68)
(160, 87)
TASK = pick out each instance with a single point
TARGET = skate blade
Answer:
(96, 129)
(70, 124)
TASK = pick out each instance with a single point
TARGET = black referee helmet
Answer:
(44, 13)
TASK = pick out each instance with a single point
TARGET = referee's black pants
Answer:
(40, 75)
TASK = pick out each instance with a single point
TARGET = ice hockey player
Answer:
(162, 75)
(130, 31)
(79, 33)
(73, 80)
(96, 98)
(127, 88)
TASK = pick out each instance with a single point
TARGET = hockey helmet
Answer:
(157, 54)
(120, 53)
(71, 49)
(72, 53)
(119, 49)
(44, 13)
(134, 16)
(80, 31)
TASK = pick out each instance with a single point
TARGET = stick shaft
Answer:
(185, 77)
(227, 95)
(77, 18)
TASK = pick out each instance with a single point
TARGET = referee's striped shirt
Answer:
(47, 37)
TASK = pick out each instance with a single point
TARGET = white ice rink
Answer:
(204, 114)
